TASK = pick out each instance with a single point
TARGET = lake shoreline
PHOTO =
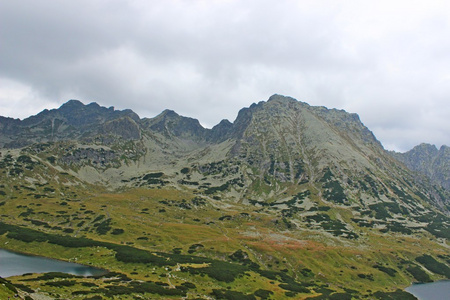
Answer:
(38, 255)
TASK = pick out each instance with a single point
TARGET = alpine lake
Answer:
(438, 290)
(14, 263)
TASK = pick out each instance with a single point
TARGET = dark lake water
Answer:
(13, 263)
(439, 290)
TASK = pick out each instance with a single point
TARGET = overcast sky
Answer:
(388, 61)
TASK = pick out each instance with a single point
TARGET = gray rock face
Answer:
(73, 120)
(170, 124)
(124, 127)
(428, 160)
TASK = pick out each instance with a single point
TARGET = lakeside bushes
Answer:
(418, 274)
(433, 265)
(135, 287)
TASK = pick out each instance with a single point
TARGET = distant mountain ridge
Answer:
(428, 160)
(72, 120)
(283, 139)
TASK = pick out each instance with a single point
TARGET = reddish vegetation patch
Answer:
(268, 244)
(316, 246)
(288, 244)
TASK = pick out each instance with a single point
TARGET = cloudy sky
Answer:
(388, 61)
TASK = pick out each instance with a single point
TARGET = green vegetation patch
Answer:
(433, 265)
(335, 227)
(216, 189)
(220, 270)
(437, 224)
(391, 272)
(263, 294)
(418, 274)
(380, 211)
(61, 283)
(103, 227)
(153, 175)
(334, 191)
(8, 285)
(52, 276)
(135, 287)
(231, 295)
(397, 295)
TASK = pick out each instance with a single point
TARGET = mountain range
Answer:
(262, 194)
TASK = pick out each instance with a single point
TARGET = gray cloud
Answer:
(387, 61)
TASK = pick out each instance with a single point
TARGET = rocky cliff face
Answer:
(72, 121)
(428, 160)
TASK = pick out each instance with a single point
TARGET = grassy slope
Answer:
(285, 262)
(157, 220)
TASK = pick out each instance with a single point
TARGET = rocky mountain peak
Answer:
(72, 104)
(281, 98)
(168, 113)
(171, 124)
(221, 131)
(425, 148)
(427, 159)
(72, 120)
